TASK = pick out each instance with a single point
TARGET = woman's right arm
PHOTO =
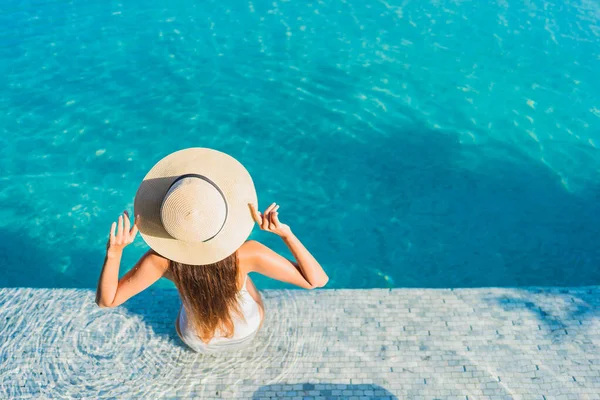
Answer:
(306, 272)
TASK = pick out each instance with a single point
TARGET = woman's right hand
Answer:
(269, 220)
(121, 234)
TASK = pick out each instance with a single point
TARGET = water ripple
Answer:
(73, 346)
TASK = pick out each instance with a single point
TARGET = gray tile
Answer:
(400, 343)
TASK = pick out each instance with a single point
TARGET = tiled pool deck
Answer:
(527, 343)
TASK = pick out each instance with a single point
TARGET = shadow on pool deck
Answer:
(556, 317)
(333, 391)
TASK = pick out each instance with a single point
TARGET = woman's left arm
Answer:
(111, 291)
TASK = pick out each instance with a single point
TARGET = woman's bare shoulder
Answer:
(160, 262)
(249, 253)
(256, 257)
(157, 259)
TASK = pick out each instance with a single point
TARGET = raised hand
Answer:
(269, 220)
(121, 234)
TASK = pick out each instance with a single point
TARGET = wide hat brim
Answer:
(228, 174)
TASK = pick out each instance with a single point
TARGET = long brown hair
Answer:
(209, 294)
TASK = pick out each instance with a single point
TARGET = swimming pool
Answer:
(433, 144)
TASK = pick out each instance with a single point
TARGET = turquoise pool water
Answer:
(433, 144)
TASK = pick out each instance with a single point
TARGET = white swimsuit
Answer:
(243, 330)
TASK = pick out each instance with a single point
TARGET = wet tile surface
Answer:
(527, 343)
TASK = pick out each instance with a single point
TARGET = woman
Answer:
(195, 209)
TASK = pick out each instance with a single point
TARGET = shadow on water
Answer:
(331, 391)
(26, 263)
(411, 208)
(427, 211)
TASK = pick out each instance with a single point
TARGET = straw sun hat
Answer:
(193, 206)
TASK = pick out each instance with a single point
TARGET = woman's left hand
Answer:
(121, 234)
